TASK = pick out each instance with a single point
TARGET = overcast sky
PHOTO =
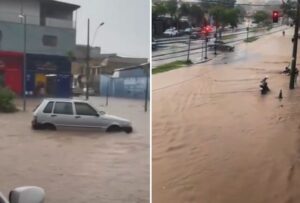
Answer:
(127, 25)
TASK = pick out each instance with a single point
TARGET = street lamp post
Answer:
(295, 47)
(24, 20)
(88, 57)
(206, 39)
(247, 32)
(87, 72)
(216, 35)
(189, 46)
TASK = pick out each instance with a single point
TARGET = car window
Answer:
(63, 108)
(84, 109)
(49, 107)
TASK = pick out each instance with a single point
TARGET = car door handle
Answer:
(77, 116)
(53, 115)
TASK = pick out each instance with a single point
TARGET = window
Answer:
(84, 109)
(49, 107)
(63, 108)
(50, 40)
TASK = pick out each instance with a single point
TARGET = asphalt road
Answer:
(166, 53)
(216, 139)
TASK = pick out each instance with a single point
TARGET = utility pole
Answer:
(189, 47)
(24, 20)
(88, 61)
(216, 35)
(147, 86)
(247, 32)
(206, 39)
(294, 59)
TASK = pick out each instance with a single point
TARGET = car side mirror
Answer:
(27, 194)
(101, 113)
(3, 199)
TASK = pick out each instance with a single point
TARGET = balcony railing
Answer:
(54, 22)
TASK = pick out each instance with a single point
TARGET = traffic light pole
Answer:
(205, 47)
(294, 59)
(189, 49)
(215, 42)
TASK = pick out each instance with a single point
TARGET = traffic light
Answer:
(275, 16)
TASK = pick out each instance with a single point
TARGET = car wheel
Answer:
(128, 130)
(49, 126)
(36, 127)
(113, 128)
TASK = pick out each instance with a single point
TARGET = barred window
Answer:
(50, 40)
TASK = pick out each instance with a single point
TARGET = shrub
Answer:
(7, 100)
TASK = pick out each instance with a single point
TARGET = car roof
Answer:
(64, 100)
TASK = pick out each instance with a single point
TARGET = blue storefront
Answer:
(48, 76)
(130, 82)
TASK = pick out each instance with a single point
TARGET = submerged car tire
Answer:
(49, 126)
(128, 129)
(113, 128)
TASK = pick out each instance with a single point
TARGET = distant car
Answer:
(53, 113)
(195, 35)
(220, 45)
(171, 32)
(189, 30)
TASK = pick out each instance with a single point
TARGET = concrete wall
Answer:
(13, 37)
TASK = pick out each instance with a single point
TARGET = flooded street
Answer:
(217, 140)
(78, 166)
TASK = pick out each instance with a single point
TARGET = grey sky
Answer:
(127, 25)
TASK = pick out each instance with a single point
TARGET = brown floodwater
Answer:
(78, 166)
(217, 140)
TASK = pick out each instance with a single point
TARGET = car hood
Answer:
(116, 119)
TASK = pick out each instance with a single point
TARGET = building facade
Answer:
(50, 35)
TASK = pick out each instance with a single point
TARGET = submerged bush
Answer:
(7, 100)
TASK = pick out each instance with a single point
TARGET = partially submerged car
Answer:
(54, 113)
(171, 32)
(26, 194)
(220, 45)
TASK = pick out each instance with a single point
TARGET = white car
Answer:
(171, 32)
(53, 113)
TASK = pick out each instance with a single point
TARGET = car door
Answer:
(87, 116)
(63, 114)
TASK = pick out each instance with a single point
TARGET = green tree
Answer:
(261, 17)
(289, 9)
(158, 9)
(242, 11)
(197, 14)
(209, 4)
(194, 13)
(231, 17)
(172, 8)
(218, 13)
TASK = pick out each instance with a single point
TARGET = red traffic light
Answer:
(207, 29)
(275, 16)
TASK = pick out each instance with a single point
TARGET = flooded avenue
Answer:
(217, 140)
